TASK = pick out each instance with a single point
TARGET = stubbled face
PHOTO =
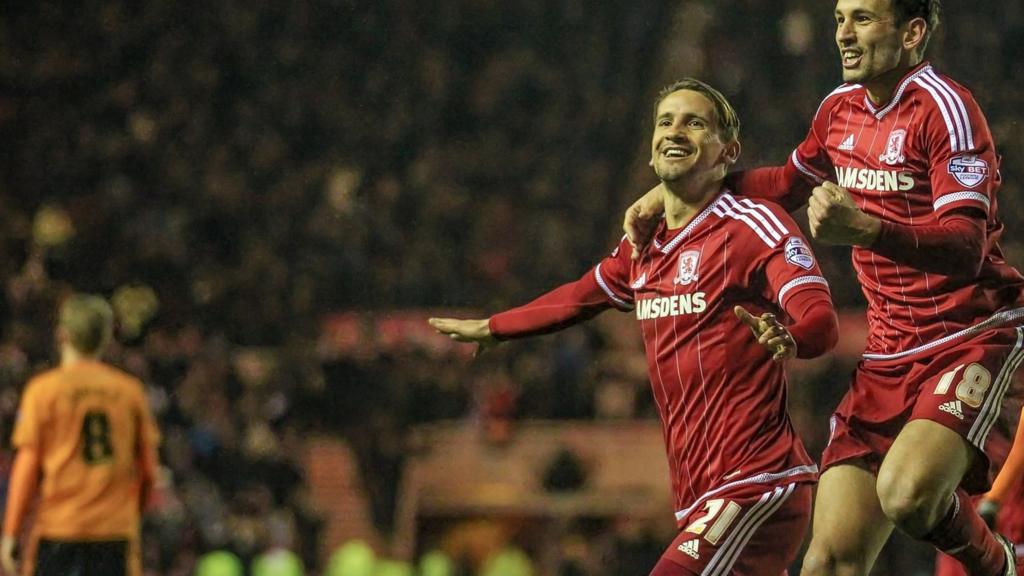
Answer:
(686, 142)
(870, 42)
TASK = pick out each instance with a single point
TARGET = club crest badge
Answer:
(894, 148)
(968, 170)
(687, 267)
(798, 254)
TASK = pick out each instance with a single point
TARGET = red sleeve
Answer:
(815, 327)
(604, 286)
(24, 478)
(964, 166)
(954, 246)
(782, 184)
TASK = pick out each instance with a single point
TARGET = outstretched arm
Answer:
(560, 308)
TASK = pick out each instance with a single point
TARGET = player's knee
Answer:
(823, 560)
(912, 505)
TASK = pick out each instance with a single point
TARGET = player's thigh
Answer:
(924, 466)
(849, 527)
(755, 533)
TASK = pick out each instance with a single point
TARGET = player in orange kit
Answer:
(87, 442)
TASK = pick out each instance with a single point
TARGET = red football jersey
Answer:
(721, 398)
(927, 151)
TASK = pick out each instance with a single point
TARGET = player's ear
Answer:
(914, 34)
(731, 152)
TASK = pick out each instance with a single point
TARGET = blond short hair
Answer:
(727, 120)
(88, 322)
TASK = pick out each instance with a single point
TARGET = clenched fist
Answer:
(835, 218)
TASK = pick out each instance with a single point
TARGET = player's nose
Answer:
(845, 33)
(677, 134)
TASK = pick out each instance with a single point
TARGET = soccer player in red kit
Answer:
(740, 475)
(899, 163)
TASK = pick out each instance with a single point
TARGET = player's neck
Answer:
(882, 88)
(880, 92)
(683, 202)
(69, 356)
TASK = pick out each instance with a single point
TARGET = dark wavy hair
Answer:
(929, 10)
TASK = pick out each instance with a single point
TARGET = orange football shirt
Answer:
(91, 425)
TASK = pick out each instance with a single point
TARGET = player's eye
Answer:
(696, 123)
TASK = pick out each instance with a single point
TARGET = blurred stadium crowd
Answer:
(233, 173)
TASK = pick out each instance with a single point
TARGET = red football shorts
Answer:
(752, 531)
(969, 387)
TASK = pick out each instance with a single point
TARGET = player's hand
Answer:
(7, 545)
(770, 333)
(478, 331)
(642, 219)
(834, 218)
(989, 512)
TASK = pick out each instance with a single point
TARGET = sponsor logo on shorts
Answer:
(955, 408)
(691, 548)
